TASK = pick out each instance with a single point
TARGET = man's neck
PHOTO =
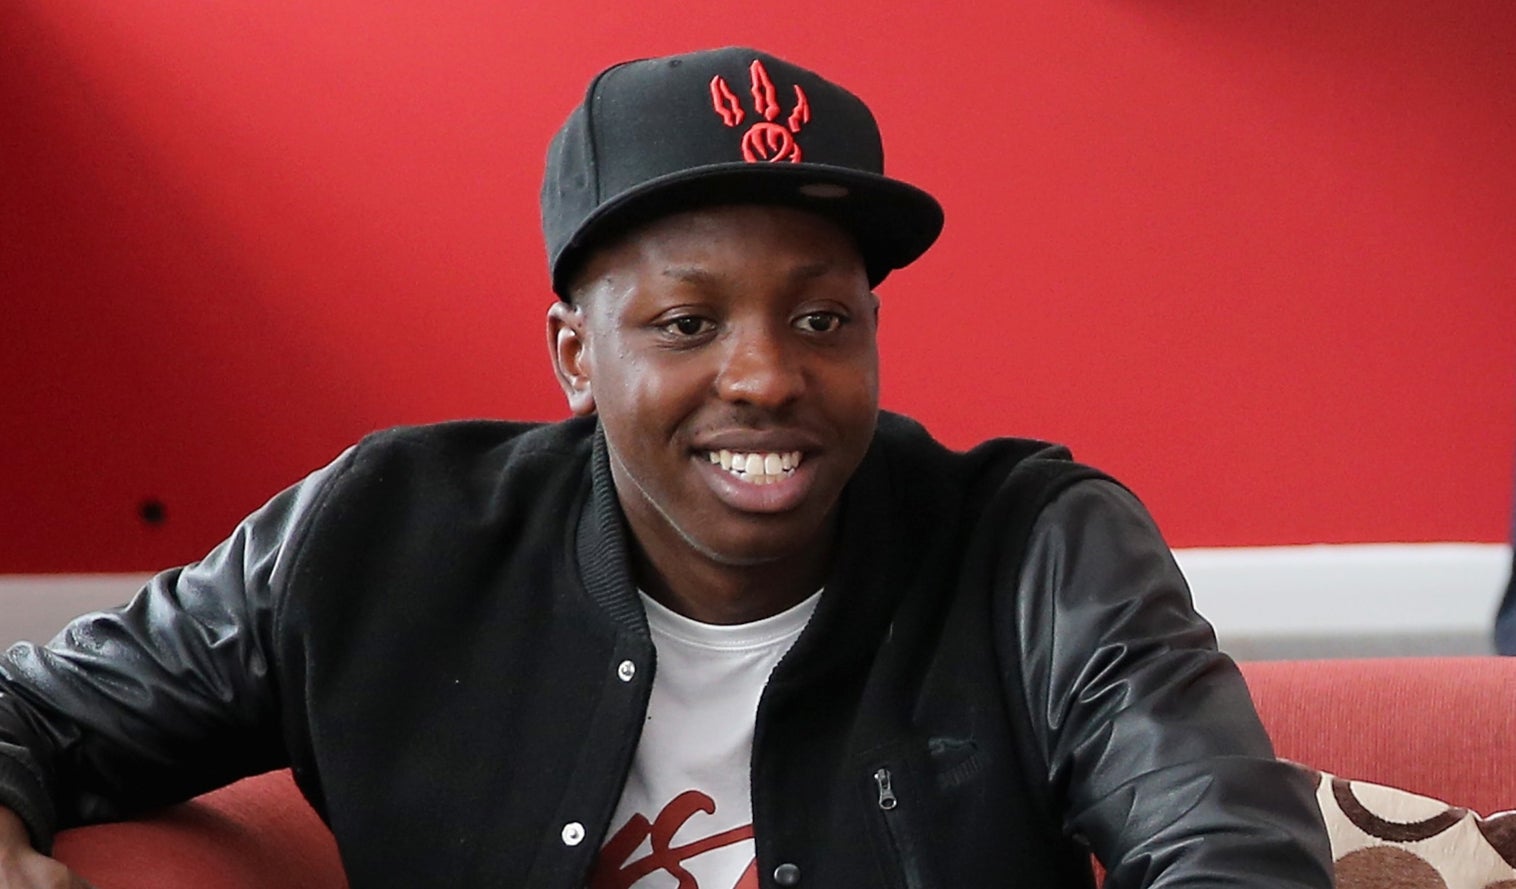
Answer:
(714, 593)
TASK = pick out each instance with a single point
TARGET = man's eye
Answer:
(819, 322)
(688, 325)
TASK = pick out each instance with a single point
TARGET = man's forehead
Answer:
(702, 275)
(696, 245)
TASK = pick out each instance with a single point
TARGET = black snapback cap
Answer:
(730, 125)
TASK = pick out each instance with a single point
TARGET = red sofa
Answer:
(1441, 727)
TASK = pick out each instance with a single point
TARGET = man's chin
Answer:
(746, 555)
(757, 543)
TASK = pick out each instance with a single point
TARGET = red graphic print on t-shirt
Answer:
(613, 870)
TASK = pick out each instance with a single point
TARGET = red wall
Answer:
(1256, 259)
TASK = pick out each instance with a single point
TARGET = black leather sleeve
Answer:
(168, 696)
(1148, 732)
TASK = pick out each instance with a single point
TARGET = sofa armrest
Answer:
(255, 834)
(1440, 727)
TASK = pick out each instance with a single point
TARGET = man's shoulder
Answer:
(998, 482)
(497, 441)
(909, 443)
(425, 462)
(399, 484)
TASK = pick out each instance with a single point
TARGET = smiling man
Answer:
(729, 626)
(729, 353)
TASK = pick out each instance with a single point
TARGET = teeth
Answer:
(756, 468)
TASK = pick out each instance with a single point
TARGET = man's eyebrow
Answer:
(810, 270)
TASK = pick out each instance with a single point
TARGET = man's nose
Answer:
(760, 369)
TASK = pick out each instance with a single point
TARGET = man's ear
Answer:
(568, 341)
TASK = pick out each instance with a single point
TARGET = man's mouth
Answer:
(757, 467)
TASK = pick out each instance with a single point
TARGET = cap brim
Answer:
(893, 222)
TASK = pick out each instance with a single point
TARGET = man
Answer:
(730, 626)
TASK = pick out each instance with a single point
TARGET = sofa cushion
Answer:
(1386, 837)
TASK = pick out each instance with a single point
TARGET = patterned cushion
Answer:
(1385, 838)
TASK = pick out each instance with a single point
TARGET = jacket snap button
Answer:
(787, 874)
(626, 671)
(573, 833)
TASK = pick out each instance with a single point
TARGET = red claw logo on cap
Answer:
(765, 140)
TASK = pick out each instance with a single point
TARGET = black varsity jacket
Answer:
(439, 633)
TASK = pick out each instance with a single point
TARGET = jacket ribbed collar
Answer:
(862, 586)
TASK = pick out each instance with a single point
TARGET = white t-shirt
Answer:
(687, 807)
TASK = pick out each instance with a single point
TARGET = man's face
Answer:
(731, 356)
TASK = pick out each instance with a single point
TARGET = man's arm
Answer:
(167, 697)
(1150, 737)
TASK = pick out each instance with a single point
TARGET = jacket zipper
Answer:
(889, 806)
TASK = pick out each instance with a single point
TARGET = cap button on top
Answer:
(787, 874)
(626, 671)
(573, 833)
